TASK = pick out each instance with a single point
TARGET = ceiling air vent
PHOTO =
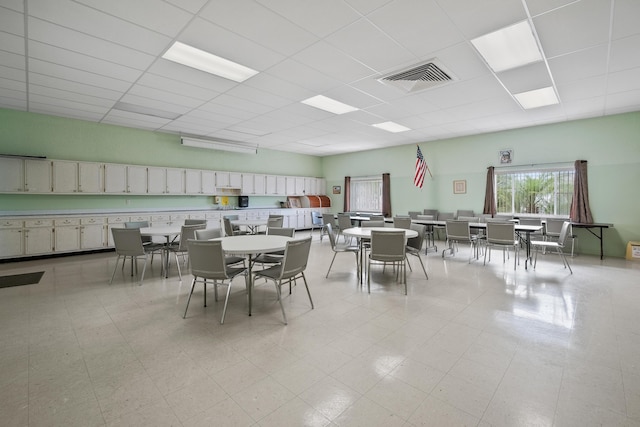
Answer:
(420, 77)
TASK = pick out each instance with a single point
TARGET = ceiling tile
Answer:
(165, 19)
(476, 18)
(420, 27)
(625, 54)
(73, 86)
(94, 23)
(579, 65)
(366, 43)
(56, 35)
(625, 18)
(528, 77)
(577, 26)
(258, 25)
(12, 22)
(11, 43)
(320, 18)
(71, 74)
(333, 62)
(70, 59)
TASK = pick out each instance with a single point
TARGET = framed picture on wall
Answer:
(506, 156)
(459, 186)
(336, 189)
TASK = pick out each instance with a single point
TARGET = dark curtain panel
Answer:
(386, 195)
(489, 196)
(580, 210)
(347, 194)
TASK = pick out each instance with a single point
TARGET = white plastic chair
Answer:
(388, 247)
(207, 261)
(557, 245)
(292, 267)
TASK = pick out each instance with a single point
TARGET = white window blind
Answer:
(366, 194)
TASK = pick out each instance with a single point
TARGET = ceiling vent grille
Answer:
(420, 77)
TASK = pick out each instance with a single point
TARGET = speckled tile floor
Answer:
(473, 345)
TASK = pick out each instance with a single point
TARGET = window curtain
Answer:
(489, 195)
(386, 195)
(580, 210)
(347, 194)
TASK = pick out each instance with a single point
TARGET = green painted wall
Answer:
(67, 139)
(610, 144)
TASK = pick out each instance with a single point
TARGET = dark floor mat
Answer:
(20, 279)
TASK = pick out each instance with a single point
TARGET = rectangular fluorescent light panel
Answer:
(205, 61)
(328, 104)
(537, 98)
(147, 111)
(510, 47)
(391, 127)
(219, 145)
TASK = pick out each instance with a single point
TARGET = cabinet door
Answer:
(247, 183)
(235, 180)
(136, 179)
(222, 179)
(290, 182)
(67, 238)
(12, 242)
(11, 175)
(175, 181)
(92, 236)
(259, 185)
(193, 181)
(90, 178)
(37, 176)
(65, 176)
(157, 180)
(115, 178)
(281, 186)
(38, 240)
(299, 186)
(270, 185)
(321, 186)
(208, 182)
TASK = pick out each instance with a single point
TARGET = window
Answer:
(366, 194)
(537, 192)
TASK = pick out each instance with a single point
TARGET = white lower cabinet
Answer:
(12, 239)
(67, 235)
(55, 234)
(92, 233)
(38, 237)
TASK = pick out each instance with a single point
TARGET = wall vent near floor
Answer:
(420, 77)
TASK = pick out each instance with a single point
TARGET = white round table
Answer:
(364, 233)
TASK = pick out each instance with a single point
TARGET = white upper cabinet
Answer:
(136, 179)
(271, 185)
(77, 177)
(321, 186)
(290, 185)
(156, 180)
(37, 176)
(115, 178)
(247, 183)
(11, 175)
(259, 184)
(193, 181)
(90, 178)
(65, 176)
(208, 182)
(175, 181)
(299, 186)
(235, 180)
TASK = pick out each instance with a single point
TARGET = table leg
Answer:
(250, 290)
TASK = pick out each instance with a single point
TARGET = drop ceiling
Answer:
(82, 58)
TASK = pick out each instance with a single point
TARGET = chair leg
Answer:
(226, 301)
(307, 287)
(144, 268)
(115, 267)
(422, 264)
(331, 265)
(178, 265)
(278, 291)
(193, 284)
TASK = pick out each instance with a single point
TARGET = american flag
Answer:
(421, 169)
